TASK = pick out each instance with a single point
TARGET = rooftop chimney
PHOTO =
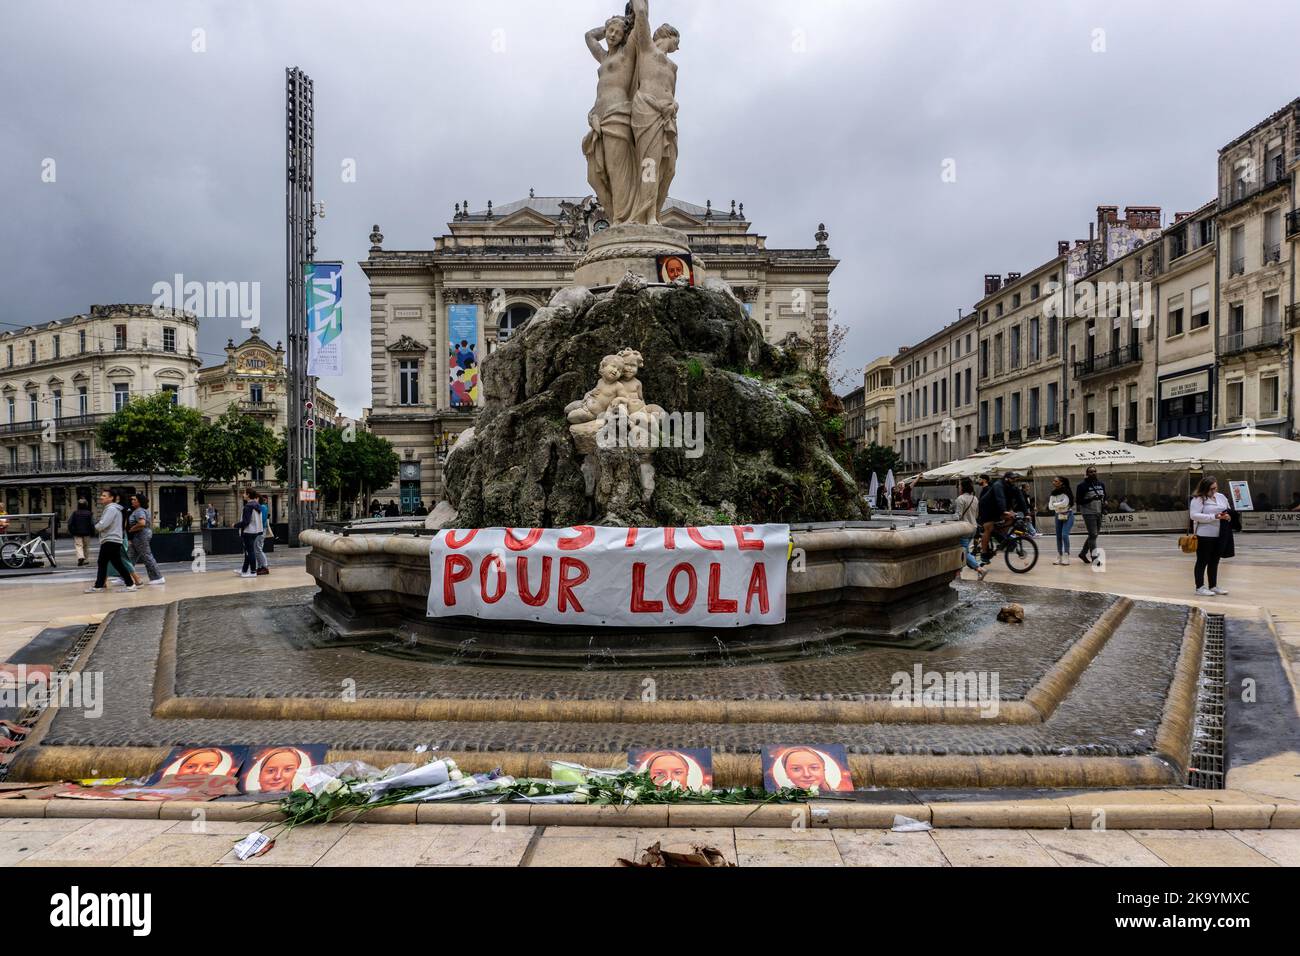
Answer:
(992, 283)
(1012, 277)
(1062, 246)
(1142, 217)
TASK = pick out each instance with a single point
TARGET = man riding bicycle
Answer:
(999, 503)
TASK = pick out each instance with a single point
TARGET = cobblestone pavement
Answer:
(269, 645)
(65, 842)
(1114, 709)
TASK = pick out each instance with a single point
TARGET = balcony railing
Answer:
(1248, 340)
(1237, 266)
(68, 466)
(1272, 253)
(1051, 428)
(1293, 318)
(1108, 361)
(1293, 224)
(64, 423)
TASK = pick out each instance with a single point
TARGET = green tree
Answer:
(150, 435)
(874, 459)
(220, 451)
(349, 461)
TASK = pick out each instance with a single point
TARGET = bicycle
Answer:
(35, 552)
(1017, 544)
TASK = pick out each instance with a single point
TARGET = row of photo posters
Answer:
(805, 766)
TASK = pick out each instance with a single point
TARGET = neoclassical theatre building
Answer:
(435, 313)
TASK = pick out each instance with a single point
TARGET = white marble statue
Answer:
(631, 147)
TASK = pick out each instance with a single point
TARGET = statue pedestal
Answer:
(630, 247)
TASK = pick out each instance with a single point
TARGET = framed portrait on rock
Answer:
(674, 267)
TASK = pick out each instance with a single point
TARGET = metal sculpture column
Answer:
(300, 248)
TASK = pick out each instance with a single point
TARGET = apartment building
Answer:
(1018, 369)
(59, 380)
(878, 403)
(1256, 268)
(1185, 323)
(1110, 336)
(934, 397)
(854, 427)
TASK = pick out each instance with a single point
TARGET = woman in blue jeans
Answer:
(966, 507)
(1061, 504)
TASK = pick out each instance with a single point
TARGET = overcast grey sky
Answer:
(170, 160)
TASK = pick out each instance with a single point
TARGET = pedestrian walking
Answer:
(81, 525)
(139, 536)
(263, 567)
(1061, 504)
(1090, 500)
(1209, 514)
(250, 526)
(109, 530)
(967, 510)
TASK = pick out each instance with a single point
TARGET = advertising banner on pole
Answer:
(714, 576)
(324, 286)
(462, 356)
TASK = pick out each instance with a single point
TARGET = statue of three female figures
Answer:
(631, 148)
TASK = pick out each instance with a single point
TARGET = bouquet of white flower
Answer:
(432, 774)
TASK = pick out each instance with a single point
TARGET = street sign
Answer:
(307, 494)
(308, 470)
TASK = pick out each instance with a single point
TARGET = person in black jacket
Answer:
(1090, 500)
(993, 510)
(81, 526)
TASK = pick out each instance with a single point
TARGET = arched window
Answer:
(514, 319)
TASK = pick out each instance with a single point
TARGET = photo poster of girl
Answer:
(223, 760)
(688, 769)
(280, 769)
(823, 766)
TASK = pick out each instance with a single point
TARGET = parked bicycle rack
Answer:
(28, 542)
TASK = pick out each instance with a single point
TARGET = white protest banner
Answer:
(714, 576)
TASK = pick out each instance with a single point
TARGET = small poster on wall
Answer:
(280, 769)
(821, 766)
(1241, 495)
(686, 769)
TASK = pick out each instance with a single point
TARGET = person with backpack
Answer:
(81, 525)
(109, 530)
(250, 526)
(1061, 504)
(1090, 500)
(994, 509)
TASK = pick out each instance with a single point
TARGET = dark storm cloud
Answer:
(170, 160)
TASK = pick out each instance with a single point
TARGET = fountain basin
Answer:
(849, 582)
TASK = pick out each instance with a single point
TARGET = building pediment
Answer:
(169, 373)
(54, 380)
(81, 377)
(672, 216)
(407, 344)
(120, 370)
(524, 217)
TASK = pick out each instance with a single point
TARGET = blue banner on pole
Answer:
(324, 285)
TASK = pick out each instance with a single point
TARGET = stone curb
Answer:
(1059, 813)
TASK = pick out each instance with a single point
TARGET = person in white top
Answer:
(1208, 511)
(1061, 504)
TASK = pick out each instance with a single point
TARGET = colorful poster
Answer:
(201, 761)
(1241, 495)
(462, 356)
(674, 267)
(824, 767)
(280, 769)
(685, 769)
(324, 286)
(714, 576)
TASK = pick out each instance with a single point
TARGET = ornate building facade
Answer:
(436, 313)
(59, 380)
(253, 379)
